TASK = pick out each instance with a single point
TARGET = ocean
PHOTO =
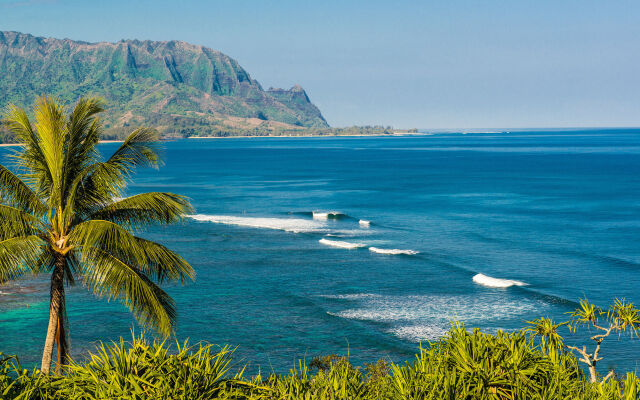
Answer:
(368, 246)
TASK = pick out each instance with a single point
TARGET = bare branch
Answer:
(586, 357)
(600, 327)
(606, 378)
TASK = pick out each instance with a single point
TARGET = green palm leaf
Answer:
(146, 209)
(107, 180)
(106, 236)
(163, 264)
(15, 222)
(84, 133)
(147, 256)
(14, 192)
(113, 278)
(30, 158)
(18, 255)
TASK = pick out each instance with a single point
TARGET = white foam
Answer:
(319, 215)
(392, 251)
(419, 333)
(364, 223)
(488, 281)
(353, 296)
(437, 309)
(295, 225)
(343, 245)
(325, 215)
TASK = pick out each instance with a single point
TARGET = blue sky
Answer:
(426, 64)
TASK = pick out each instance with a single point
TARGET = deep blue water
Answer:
(559, 211)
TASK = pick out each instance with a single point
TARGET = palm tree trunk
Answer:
(61, 336)
(56, 324)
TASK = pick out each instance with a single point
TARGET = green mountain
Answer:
(180, 88)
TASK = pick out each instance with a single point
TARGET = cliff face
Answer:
(175, 86)
(297, 99)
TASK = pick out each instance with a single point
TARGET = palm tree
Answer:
(62, 213)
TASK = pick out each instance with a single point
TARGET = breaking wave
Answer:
(295, 225)
(392, 251)
(341, 244)
(488, 281)
(321, 215)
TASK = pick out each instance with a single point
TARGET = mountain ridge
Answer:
(180, 88)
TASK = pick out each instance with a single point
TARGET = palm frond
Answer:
(72, 268)
(84, 132)
(45, 261)
(145, 209)
(15, 222)
(18, 256)
(29, 157)
(52, 132)
(149, 257)
(140, 149)
(108, 179)
(160, 263)
(108, 237)
(19, 124)
(77, 199)
(84, 128)
(16, 193)
(113, 278)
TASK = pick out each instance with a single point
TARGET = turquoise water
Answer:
(554, 215)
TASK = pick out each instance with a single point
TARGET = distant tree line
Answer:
(173, 127)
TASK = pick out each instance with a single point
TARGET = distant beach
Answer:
(398, 133)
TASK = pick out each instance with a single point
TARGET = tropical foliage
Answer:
(464, 365)
(62, 212)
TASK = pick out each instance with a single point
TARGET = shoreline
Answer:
(306, 136)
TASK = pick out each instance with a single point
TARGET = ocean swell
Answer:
(295, 225)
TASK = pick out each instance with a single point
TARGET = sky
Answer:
(448, 64)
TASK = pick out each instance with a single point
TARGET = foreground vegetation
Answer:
(532, 363)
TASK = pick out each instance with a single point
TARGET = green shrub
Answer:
(138, 370)
(464, 365)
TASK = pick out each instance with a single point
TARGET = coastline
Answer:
(305, 136)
